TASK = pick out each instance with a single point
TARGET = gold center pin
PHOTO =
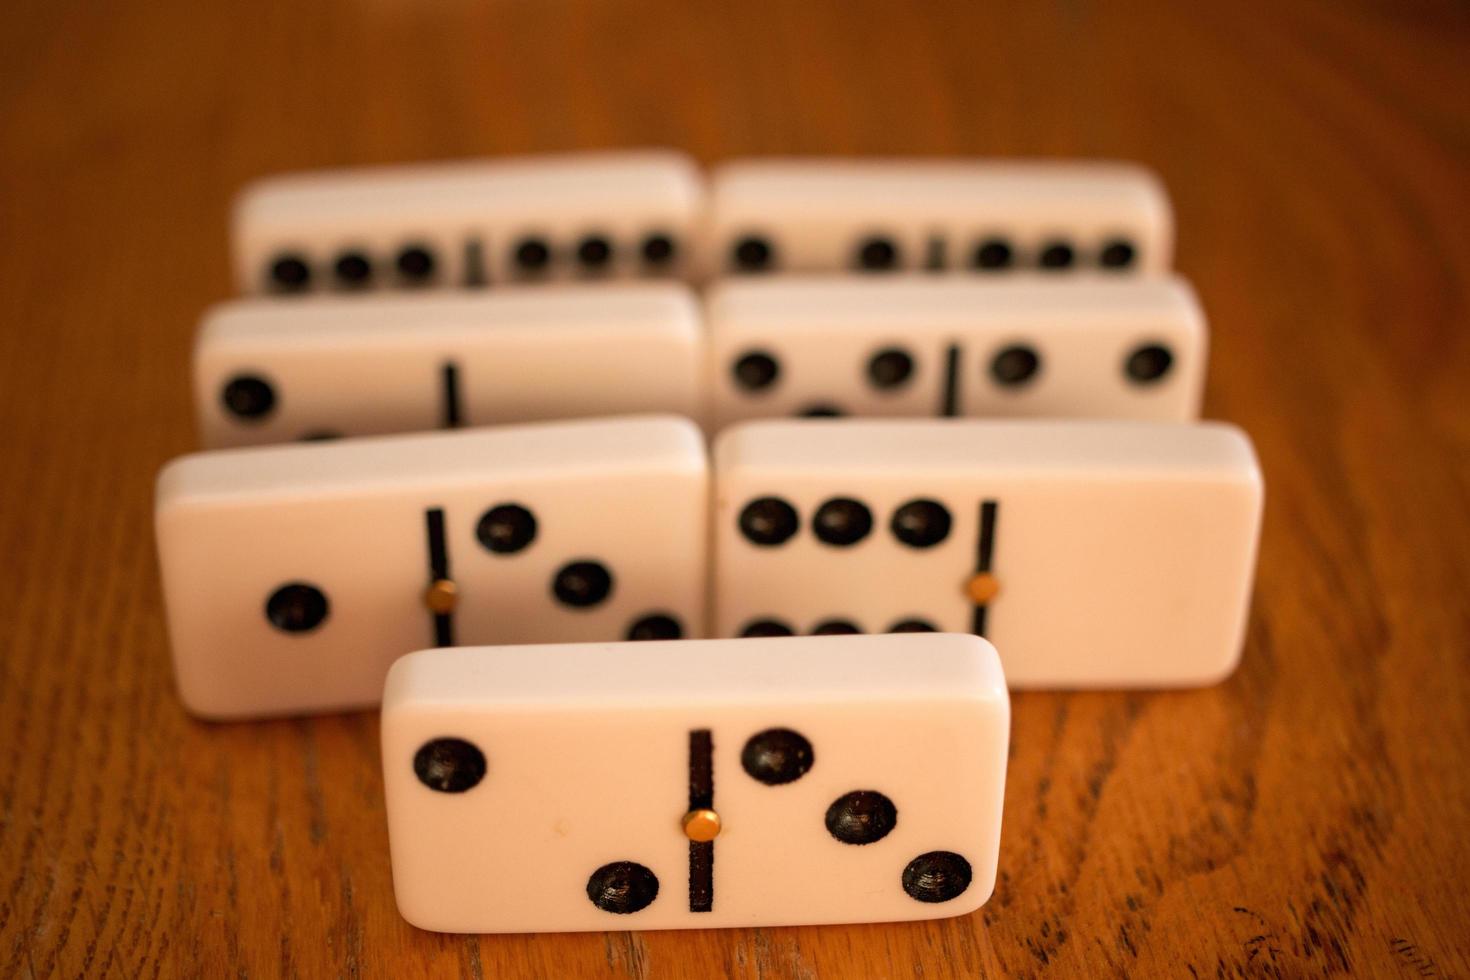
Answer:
(441, 596)
(981, 588)
(701, 825)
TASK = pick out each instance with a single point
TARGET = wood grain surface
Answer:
(1308, 817)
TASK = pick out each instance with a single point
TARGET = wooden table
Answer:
(1307, 817)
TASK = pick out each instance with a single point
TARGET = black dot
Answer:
(822, 411)
(921, 523)
(659, 249)
(993, 253)
(756, 370)
(768, 521)
(877, 253)
(751, 254)
(353, 269)
(765, 628)
(890, 367)
(936, 876)
(861, 817)
(622, 887)
(1116, 254)
(912, 626)
(1015, 365)
(1149, 363)
(1056, 255)
(594, 252)
(582, 583)
(777, 756)
(532, 254)
(449, 765)
(842, 521)
(656, 627)
(835, 627)
(296, 607)
(248, 397)
(506, 528)
(290, 273)
(415, 263)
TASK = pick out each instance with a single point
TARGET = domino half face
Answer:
(693, 784)
(468, 224)
(926, 346)
(1093, 554)
(266, 371)
(295, 575)
(830, 215)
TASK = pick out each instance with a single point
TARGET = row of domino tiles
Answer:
(653, 213)
(1093, 553)
(268, 371)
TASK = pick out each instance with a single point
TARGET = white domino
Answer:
(1093, 554)
(473, 223)
(814, 215)
(266, 371)
(294, 575)
(696, 783)
(1083, 347)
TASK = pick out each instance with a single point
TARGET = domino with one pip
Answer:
(294, 575)
(269, 372)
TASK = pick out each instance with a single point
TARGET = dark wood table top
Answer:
(1306, 817)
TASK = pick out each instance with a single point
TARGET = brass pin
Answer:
(982, 587)
(441, 596)
(701, 825)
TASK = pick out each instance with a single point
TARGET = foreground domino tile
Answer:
(468, 223)
(827, 215)
(266, 371)
(1093, 554)
(294, 575)
(696, 783)
(1083, 347)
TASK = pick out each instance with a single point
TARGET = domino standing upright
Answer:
(294, 575)
(266, 371)
(1094, 554)
(947, 346)
(814, 215)
(469, 224)
(697, 783)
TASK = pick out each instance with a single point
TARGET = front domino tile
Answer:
(266, 371)
(1085, 347)
(702, 783)
(1093, 554)
(295, 575)
(474, 223)
(967, 216)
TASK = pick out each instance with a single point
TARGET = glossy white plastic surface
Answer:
(353, 520)
(1123, 552)
(413, 362)
(1097, 347)
(588, 751)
